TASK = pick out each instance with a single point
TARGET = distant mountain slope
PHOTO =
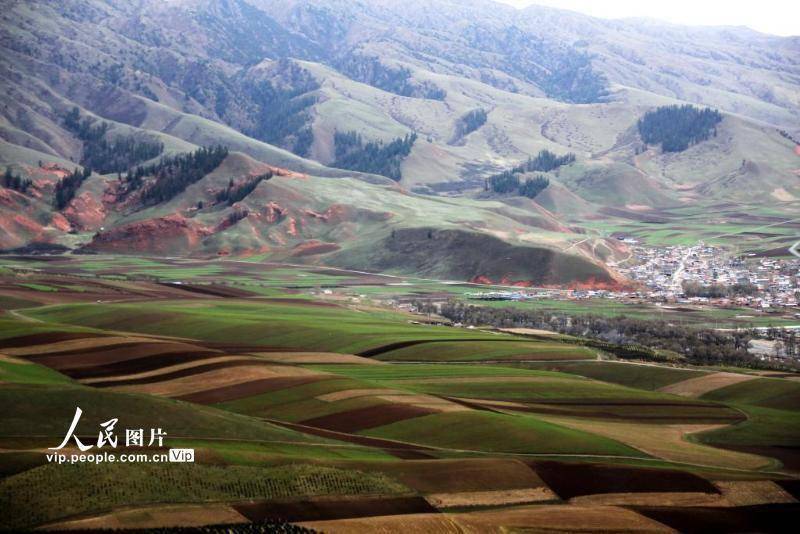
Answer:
(275, 81)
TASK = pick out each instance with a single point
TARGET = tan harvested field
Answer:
(10, 359)
(538, 518)
(426, 401)
(732, 494)
(303, 358)
(491, 498)
(170, 369)
(410, 524)
(666, 441)
(186, 515)
(356, 393)
(695, 387)
(651, 499)
(753, 492)
(529, 331)
(217, 379)
(77, 344)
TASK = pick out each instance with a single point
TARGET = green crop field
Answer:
(46, 411)
(54, 491)
(440, 393)
(488, 350)
(642, 376)
(765, 392)
(290, 325)
(491, 432)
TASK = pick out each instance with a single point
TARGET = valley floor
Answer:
(307, 399)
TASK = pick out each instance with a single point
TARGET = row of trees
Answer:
(509, 182)
(68, 186)
(173, 174)
(695, 289)
(283, 116)
(545, 161)
(468, 123)
(237, 192)
(15, 182)
(676, 128)
(104, 156)
(375, 157)
(397, 80)
(621, 335)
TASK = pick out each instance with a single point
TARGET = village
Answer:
(697, 274)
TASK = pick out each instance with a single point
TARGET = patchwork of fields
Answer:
(344, 416)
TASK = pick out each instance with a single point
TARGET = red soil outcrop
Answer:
(314, 247)
(86, 212)
(165, 235)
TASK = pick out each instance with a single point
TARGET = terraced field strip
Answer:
(173, 371)
(491, 498)
(575, 518)
(284, 325)
(481, 351)
(158, 516)
(307, 358)
(698, 386)
(667, 442)
(640, 376)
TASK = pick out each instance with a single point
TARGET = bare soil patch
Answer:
(646, 411)
(574, 480)
(334, 508)
(213, 290)
(702, 520)
(67, 345)
(125, 359)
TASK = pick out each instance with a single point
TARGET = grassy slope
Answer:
(500, 433)
(274, 324)
(476, 351)
(55, 491)
(647, 377)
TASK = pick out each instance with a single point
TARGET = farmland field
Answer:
(334, 407)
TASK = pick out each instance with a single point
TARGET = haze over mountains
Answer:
(421, 102)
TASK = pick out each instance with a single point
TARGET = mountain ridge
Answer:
(263, 79)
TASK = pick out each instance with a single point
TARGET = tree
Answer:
(108, 156)
(68, 186)
(676, 128)
(374, 156)
(17, 183)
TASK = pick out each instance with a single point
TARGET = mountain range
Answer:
(383, 135)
